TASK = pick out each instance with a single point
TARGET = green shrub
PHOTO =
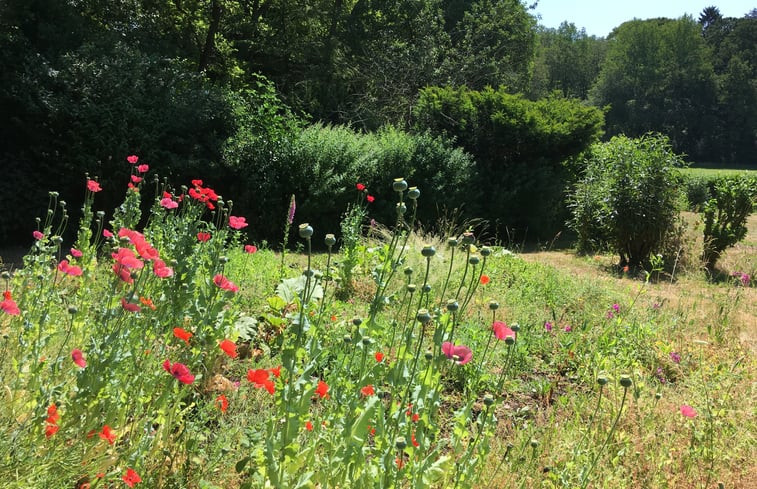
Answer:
(628, 198)
(697, 192)
(725, 215)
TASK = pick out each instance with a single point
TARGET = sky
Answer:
(599, 17)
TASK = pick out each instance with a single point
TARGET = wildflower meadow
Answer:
(162, 349)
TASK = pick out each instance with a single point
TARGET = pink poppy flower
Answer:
(78, 358)
(93, 186)
(76, 253)
(133, 159)
(203, 237)
(224, 283)
(462, 352)
(179, 371)
(160, 269)
(135, 179)
(688, 411)
(370, 198)
(360, 187)
(107, 233)
(169, 203)
(8, 305)
(250, 249)
(237, 222)
(72, 270)
(142, 168)
(37, 235)
(129, 306)
(501, 331)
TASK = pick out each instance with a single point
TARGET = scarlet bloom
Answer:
(182, 335)
(78, 358)
(203, 237)
(501, 331)
(147, 302)
(322, 389)
(72, 270)
(133, 159)
(135, 179)
(370, 198)
(379, 356)
(93, 186)
(229, 348)
(275, 371)
(37, 235)
(368, 390)
(169, 203)
(131, 477)
(222, 403)
(250, 249)
(52, 414)
(107, 434)
(414, 441)
(399, 462)
(130, 306)
(8, 305)
(51, 429)
(461, 353)
(360, 187)
(688, 411)
(237, 222)
(142, 168)
(260, 378)
(179, 371)
(224, 283)
(197, 183)
(76, 253)
(484, 279)
(309, 426)
(416, 417)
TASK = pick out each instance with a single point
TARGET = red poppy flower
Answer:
(275, 371)
(322, 390)
(52, 414)
(130, 306)
(501, 331)
(93, 186)
(368, 390)
(135, 179)
(133, 159)
(379, 356)
(229, 348)
(416, 417)
(76, 253)
(261, 379)
(360, 187)
(37, 235)
(125, 257)
(78, 358)
(224, 283)
(8, 305)
(160, 269)
(250, 249)
(371, 430)
(197, 183)
(182, 335)
(203, 237)
(143, 168)
(237, 222)
(309, 426)
(51, 429)
(414, 441)
(222, 403)
(107, 434)
(72, 270)
(461, 352)
(131, 478)
(484, 279)
(370, 198)
(147, 302)
(179, 371)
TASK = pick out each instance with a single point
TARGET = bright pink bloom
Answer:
(548, 326)
(203, 237)
(142, 168)
(250, 249)
(72, 270)
(501, 331)
(179, 371)
(360, 187)
(136, 179)
(76, 253)
(224, 283)
(37, 235)
(237, 222)
(169, 203)
(123, 273)
(688, 411)
(133, 159)
(129, 306)
(8, 305)
(462, 352)
(126, 258)
(107, 233)
(160, 269)
(78, 358)
(93, 186)
(568, 329)
(370, 198)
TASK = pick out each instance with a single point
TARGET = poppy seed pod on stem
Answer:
(305, 230)
(452, 305)
(493, 305)
(413, 193)
(401, 208)
(399, 185)
(452, 242)
(474, 260)
(625, 381)
(423, 316)
(468, 238)
(428, 251)
(486, 251)
(329, 240)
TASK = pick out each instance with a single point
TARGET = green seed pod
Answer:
(515, 327)
(658, 395)
(411, 288)
(509, 340)
(308, 273)
(426, 288)
(318, 275)
(401, 208)
(423, 316)
(408, 271)
(428, 251)
(474, 260)
(62, 204)
(534, 443)
(100, 214)
(399, 185)
(223, 259)
(488, 400)
(367, 340)
(602, 380)
(452, 242)
(493, 305)
(72, 310)
(468, 238)
(413, 193)
(357, 321)
(347, 339)
(6, 275)
(329, 240)
(428, 355)
(401, 443)
(486, 251)
(452, 305)
(625, 381)
(305, 230)
(53, 194)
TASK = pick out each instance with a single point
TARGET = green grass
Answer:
(718, 172)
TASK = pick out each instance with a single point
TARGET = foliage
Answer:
(519, 146)
(628, 198)
(725, 214)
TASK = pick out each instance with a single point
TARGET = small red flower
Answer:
(370, 198)
(275, 371)
(416, 417)
(250, 249)
(379, 356)
(143, 168)
(484, 279)
(8, 305)
(501, 331)
(237, 222)
(133, 159)
(78, 358)
(260, 378)
(107, 434)
(224, 283)
(93, 186)
(51, 429)
(360, 187)
(135, 179)
(371, 430)
(229, 348)
(107, 234)
(52, 414)
(399, 462)
(179, 371)
(222, 403)
(203, 237)
(197, 183)
(130, 306)
(72, 270)
(368, 390)
(76, 253)
(131, 477)
(322, 390)
(182, 335)
(309, 426)
(37, 235)
(414, 441)
(688, 411)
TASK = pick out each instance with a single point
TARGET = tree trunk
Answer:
(210, 39)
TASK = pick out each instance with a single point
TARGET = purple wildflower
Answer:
(675, 357)
(292, 208)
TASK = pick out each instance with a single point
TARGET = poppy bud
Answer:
(399, 185)
(658, 395)
(423, 316)
(428, 251)
(401, 208)
(49, 212)
(452, 305)
(367, 340)
(429, 355)
(38, 220)
(534, 443)
(100, 214)
(625, 381)
(308, 273)
(493, 305)
(53, 194)
(401, 443)
(62, 204)
(329, 240)
(305, 230)
(473, 260)
(6, 275)
(72, 310)
(413, 193)
(488, 400)
(509, 340)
